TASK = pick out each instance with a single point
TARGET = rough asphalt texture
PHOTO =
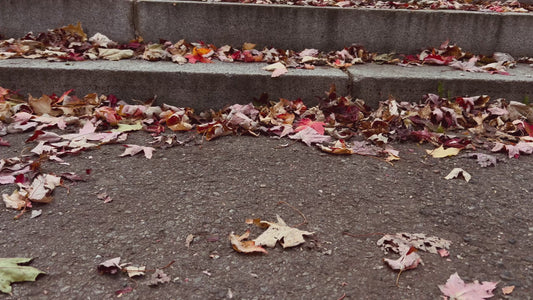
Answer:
(209, 189)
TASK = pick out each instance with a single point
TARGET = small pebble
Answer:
(507, 275)
(512, 241)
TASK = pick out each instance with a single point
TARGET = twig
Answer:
(342, 297)
(301, 214)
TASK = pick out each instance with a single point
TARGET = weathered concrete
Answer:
(201, 86)
(299, 27)
(374, 83)
(113, 18)
(204, 86)
(281, 26)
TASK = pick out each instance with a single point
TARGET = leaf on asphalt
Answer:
(129, 127)
(456, 172)
(15, 200)
(41, 188)
(11, 271)
(310, 136)
(506, 290)
(399, 242)
(440, 152)
(514, 150)
(135, 271)
(407, 260)
(188, 240)
(134, 149)
(240, 243)
(279, 231)
(456, 288)
(484, 160)
(158, 277)
(110, 266)
(104, 196)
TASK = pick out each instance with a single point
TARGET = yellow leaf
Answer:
(441, 152)
(128, 127)
(248, 46)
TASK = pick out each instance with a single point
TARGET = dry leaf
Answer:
(407, 261)
(135, 271)
(288, 236)
(159, 277)
(456, 172)
(110, 266)
(188, 240)
(277, 69)
(506, 290)
(441, 152)
(15, 200)
(239, 243)
(455, 288)
(399, 241)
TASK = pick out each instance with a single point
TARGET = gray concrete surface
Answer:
(111, 17)
(293, 27)
(298, 27)
(205, 86)
(374, 83)
(201, 86)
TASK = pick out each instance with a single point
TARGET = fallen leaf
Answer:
(11, 272)
(114, 54)
(403, 240)
(287, 236)
(506, 290)
(455, 288)
(189, 240)
(277, 69)
(407, 261)
(440, 152)
(310, 136)
(240, 244)
(484, 160)
(443, 252)
(135, 271)
(308, 123)
(456, 172)
(15, 200)
(158, 277)
(110, 266)
(134, 149)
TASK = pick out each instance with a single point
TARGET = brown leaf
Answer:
(239, 243)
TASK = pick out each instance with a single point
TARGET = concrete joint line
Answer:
(135, 18)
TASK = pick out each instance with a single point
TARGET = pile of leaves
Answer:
(70, 43)
(469, 5)
(65, 125)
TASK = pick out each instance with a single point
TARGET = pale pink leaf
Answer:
(456, 288)
(309, 136)
(134, 149)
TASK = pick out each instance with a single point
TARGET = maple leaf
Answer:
(10, 272)
(241, 244)
(469, 66)
(456, 172)
(457, 289)
(15, 200)
(134, 149)
(287, 236)
(158, 277)
(440, 152)
(277, 69)
(407, 261)
(484, 160)
(306, 122)
(514, 150)
(401, 242)
(41, 188)
(110, 266)
(309, 136)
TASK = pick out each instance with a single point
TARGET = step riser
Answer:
(213, 86)
(288, 27)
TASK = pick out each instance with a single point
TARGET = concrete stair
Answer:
(204, 86)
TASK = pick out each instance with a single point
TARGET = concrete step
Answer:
(205, 86)
(281, 26)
